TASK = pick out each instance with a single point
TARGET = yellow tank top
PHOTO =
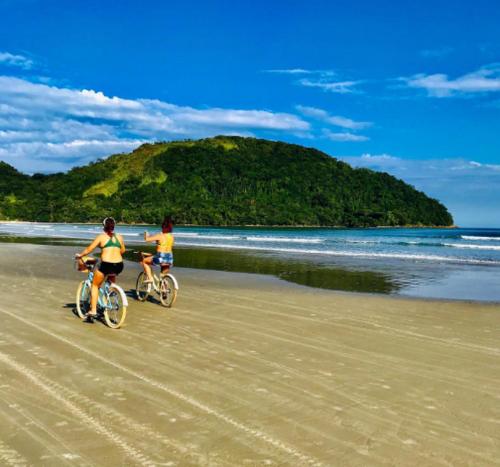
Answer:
(165, 244)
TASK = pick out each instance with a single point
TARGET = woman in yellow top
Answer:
(164, 243)
(112, 249)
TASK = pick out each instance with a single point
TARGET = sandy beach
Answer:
(244, 370)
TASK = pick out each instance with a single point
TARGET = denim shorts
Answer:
(163, 258)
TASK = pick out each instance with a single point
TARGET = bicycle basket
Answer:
(85, 264)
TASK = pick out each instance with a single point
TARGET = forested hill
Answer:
(219, 181)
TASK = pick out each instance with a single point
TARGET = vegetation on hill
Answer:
(219, 181)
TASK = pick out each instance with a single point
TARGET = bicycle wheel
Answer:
(115, 310)
(168, 292)
(83, 299)
(142, 290)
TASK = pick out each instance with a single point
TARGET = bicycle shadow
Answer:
(132, 294)
(72, 306)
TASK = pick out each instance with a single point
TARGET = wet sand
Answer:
(244, 370)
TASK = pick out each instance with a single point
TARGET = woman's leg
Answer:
(146, 264)
(96, 283)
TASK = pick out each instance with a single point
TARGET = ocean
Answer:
(456, 263)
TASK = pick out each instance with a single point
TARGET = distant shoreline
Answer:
(255, 226)
(336, 275)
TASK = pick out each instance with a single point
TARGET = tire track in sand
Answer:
(52, 391)
(356, 400)
(248, 430)
(11, 457)
(117, 418)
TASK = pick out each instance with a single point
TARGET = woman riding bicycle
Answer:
(164, 243)
(112, 249)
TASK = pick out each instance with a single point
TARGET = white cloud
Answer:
(335, 120)
(19, 61)
(484, 80)
(39, 123)
(291, 71)
(468, 188)
(344, 136)
(302, 71)
(339, 87)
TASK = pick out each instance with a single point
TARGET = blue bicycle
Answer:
(112, 302)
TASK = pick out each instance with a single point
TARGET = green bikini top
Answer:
(112, 242)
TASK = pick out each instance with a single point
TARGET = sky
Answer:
(410, 88)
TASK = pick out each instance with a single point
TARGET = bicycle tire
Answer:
(168, 292)
(83, 301)
(115, 317)
(142, 290)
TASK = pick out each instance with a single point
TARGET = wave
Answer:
(361, 242)
(81, 230)
(397, 242)
(473, 247)
(284, 239)
(413, 257)
(477, 237)
(186, 234)
(206, 237)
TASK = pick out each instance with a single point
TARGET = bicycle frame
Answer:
(112, 302)
(157, 279)
(103, 297)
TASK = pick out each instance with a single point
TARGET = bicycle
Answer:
(165, 285)
(112, 302)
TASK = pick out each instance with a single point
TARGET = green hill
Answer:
(219, 181)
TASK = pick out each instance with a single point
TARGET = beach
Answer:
(245, 369)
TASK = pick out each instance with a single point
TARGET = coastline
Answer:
(250, 226)
(244, 370)
(337, 276)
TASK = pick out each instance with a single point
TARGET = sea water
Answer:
(436, 263)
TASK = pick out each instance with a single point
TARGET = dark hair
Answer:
(109, 225)
(167, 225)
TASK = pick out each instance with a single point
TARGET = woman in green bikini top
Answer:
(112, 249)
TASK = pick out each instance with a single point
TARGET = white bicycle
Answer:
(165, 285)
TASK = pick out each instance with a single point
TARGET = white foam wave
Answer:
(361, 242)
(81, 230)
(477, 237)
(473, 247)
(206, 237)
(284, 239)
(186, 234)
(413, 257)
(220, 237)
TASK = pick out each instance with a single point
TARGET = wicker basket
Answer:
(81, 266)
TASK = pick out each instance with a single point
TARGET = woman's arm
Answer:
(151, 238)
(91, 247)
(122, 245)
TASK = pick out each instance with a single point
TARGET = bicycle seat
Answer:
(111, 278)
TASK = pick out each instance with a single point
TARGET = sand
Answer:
(244, 370)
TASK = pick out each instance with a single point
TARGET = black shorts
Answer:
(111, 268)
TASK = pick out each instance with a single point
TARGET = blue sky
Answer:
(412, 88)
